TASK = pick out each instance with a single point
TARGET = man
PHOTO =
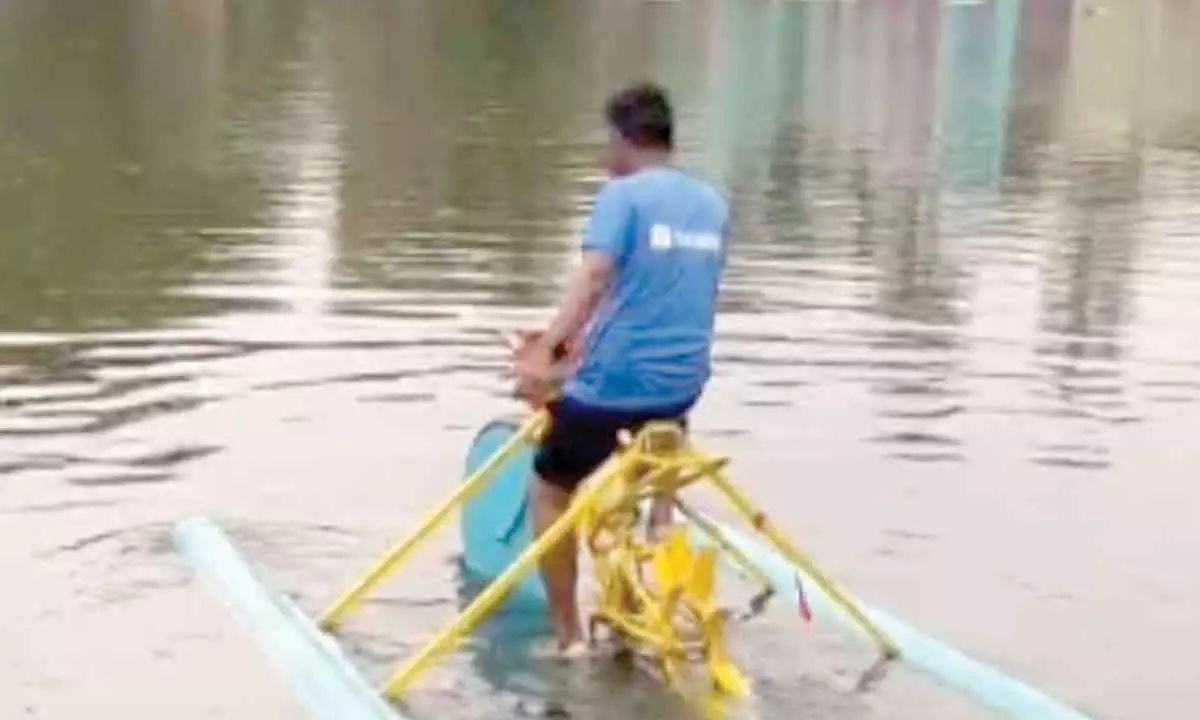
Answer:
(653, 254)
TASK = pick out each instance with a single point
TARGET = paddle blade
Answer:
(729, 680)
(703, 579)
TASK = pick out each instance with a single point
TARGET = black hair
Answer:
(642, 114)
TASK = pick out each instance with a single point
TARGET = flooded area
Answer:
(254, 255)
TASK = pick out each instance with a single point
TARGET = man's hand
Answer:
(538, 368)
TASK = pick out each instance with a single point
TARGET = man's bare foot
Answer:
(572, 652)
(578, 650)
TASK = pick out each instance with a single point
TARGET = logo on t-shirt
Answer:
(663, 237)
(660, 237)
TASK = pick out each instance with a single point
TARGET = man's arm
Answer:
(605, 244)
(584, 290)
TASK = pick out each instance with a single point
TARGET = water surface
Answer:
(254, 255)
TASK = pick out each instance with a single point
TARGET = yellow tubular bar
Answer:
(485, 602)
(759, 520)
(390, 562)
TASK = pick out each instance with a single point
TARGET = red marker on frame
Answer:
(805, 610)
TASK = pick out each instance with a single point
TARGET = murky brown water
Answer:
(251, 254)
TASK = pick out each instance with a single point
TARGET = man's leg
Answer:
(662, 506)
(560, 566)
(661, 515)
(578, 442)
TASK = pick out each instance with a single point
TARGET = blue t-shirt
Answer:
(649, 345)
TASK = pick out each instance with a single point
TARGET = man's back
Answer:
(650, 344)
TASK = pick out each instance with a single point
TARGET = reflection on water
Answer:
(249, 248)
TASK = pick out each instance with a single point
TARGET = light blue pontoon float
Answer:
(495, 530)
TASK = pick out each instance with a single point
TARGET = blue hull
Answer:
(496, 526)
(323, 679)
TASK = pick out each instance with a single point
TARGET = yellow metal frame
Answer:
(656, 596)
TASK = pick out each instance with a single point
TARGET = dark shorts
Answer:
(581, 438)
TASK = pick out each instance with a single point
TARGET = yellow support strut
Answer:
(759, 520)
(486, 601)
(530, 430)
